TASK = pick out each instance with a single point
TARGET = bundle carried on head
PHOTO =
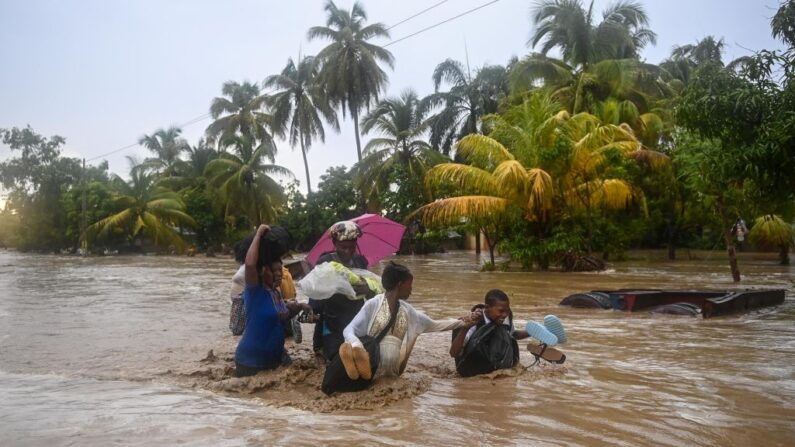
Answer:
(276, 243)
(333, 278)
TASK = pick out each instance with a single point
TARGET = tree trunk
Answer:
(491, 244)
(578, 95)
(729, 238)
(257, 212)
(589, 235)
(732, 253)
(671, 237)
(477, 241)
(83, 240)
(783, 255)
(306, 169)
(355, 116)
(543, 259)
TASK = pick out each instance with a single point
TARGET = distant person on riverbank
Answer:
(262, 345)
(389, 322)
(489, 342)
(335, 313)
(285, 287)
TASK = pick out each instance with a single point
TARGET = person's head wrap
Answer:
(345, 231)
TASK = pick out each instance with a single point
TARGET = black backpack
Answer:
(490, 348)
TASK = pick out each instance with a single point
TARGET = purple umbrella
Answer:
(380, 238)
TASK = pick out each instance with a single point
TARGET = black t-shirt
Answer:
(338, 311)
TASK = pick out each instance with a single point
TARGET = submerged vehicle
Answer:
(706, 303)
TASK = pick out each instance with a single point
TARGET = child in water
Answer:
(489, 342)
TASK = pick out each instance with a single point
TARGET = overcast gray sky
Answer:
(101, 73)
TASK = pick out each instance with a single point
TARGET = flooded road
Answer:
(89, 347)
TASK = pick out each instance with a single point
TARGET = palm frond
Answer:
(173, 216)
(512, 179)
(450, 71)
(650, 158)
(612, 194)
(451, 211)
(160, 233)
(482, 151)
(538, 67)
(464, 177)
(101, 228)
(541, 193)
(166, 203)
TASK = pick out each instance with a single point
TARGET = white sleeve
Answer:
(359, 325)
(469, 334)
(238, 283)
(426, 324)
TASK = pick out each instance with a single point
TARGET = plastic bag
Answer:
(332, 278)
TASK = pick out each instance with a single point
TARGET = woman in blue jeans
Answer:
(262, 345)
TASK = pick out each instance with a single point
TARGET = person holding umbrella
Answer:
(336, 312)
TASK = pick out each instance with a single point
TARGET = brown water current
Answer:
(114, 351)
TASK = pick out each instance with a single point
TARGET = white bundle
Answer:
(332, 278)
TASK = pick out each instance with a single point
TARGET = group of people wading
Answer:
(372, 334)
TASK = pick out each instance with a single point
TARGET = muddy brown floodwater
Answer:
(114, 351)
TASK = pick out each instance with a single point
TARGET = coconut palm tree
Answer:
(567, 26)
(598, 61)
(244, 180)
(495, 181)
(703, 51)
(465, 103)
(167, 146)
(579, 89)
(649, 128)
(401, 123)
(493, 184)
(145, 208)
(685, 59)
(298, 106)
(588, 184)
(239, 113)
(350, 68)
(189, 174)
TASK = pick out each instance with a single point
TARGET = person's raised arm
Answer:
(252, 275)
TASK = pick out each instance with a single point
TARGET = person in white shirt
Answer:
(396, 346)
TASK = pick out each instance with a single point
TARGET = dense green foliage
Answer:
(550, 158)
